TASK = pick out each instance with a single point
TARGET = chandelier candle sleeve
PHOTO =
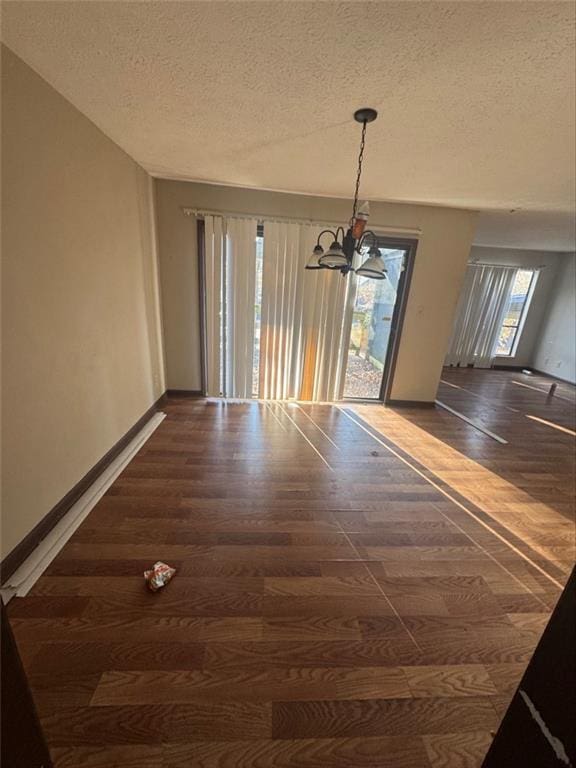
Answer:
(359, 223)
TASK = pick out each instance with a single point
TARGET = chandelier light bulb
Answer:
(374, 266)
(334, 258)
(314, 260)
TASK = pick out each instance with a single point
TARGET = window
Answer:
(516, 309)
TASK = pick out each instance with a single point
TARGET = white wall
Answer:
(542, 291)
(443, 250)
(82, 358)
(555, 349)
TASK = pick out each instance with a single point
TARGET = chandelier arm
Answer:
(367, 234)
(328, 232)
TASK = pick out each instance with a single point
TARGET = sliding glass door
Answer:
(375, 320)
(274, 330)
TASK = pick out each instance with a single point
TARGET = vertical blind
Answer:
(305, 314)
(304, 317)
(213, 281)
(479, 315)
(239, 306)
(280, 329)
(229, 270)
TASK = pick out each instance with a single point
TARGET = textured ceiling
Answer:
(476, 99)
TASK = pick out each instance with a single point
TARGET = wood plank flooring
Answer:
(356, 586)
(523, 491)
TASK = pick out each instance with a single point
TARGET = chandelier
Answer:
(340, 255)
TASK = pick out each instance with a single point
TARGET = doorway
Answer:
(377, 313)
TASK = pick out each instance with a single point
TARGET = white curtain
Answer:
(303, 318)
(230, 269)
(479, 315)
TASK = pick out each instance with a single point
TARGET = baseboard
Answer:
(551, 376)
(184, 393)
(410, 403)
(494, 367)
(21, 551)
(516, 368)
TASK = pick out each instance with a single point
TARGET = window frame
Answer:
(410, 247)
(523, 314)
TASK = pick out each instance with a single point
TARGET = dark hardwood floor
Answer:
(357, 586)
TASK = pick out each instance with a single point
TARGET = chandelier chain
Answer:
(359, 174)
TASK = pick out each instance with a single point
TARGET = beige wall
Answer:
(443, 250)
(555, 349)
(82, 354)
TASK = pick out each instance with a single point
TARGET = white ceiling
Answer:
(476, 99)
(531, 229)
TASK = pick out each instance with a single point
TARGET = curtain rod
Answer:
(505, 266)
(199, 213)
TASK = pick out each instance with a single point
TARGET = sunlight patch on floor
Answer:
(505, 503)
